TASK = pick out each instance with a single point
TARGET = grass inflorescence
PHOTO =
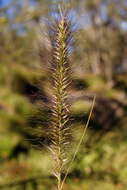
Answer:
(60, 128)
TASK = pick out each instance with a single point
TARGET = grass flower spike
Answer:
(60, 127)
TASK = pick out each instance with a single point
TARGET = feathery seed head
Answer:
(60, 127)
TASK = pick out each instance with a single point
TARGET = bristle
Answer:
(59, 129)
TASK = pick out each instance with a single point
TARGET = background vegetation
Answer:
(99, 66)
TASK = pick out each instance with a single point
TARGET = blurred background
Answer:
(99, 66)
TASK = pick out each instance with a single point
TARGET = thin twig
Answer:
(80, 142)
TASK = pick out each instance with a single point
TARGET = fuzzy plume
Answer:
(60, 127)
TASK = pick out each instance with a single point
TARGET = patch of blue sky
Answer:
(103, 12)
(4, 3)
(20, 29)
(84, 20)
(34, 2)
(13, 11)
(123, 25)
